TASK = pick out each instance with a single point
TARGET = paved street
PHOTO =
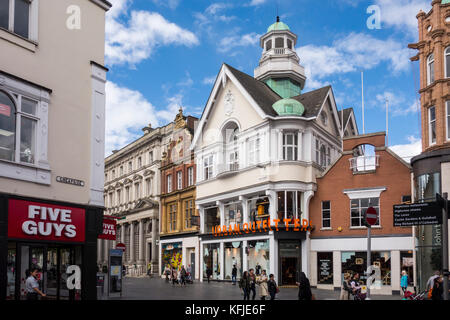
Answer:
(157, 289)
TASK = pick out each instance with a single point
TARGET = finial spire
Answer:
(278, 18)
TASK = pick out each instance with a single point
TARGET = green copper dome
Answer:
(445, 1)
(288, 107)
(278, 26)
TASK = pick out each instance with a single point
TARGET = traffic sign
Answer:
(120, 246)
(371, 216)
(416, 214)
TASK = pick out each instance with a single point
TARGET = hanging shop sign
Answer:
(109, 229)
(416, 214)
(262, 226)
(42, 221)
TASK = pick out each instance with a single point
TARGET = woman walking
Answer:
(304, 288)
(244, 284)
(272, 287)
(404, 282)
(346, 289)
(262, 281)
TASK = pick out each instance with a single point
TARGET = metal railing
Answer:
(364, 163)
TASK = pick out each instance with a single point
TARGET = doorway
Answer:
(52, 262)
(290, 261)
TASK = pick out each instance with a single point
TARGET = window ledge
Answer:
(364, 228)
(326, 229)
(25, 172)
(18, 40)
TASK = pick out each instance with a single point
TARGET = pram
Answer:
(358, 296)
(413, 296)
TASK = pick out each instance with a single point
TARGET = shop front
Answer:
(58, 239)
(171, 255)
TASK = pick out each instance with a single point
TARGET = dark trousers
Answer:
(253, 289)
(272, 296)
(208, 278)
(233, 279)
(246, 294)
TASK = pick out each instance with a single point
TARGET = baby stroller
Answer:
(358, 296)
(412, 296)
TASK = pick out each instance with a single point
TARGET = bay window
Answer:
(289, 205)
(290, 146)
(432, 124)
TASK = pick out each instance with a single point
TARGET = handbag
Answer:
(278, 290)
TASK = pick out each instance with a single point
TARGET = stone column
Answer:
(122, 233)
(105, 251)
(201, 212)
(273, 207)
(300, 146)
(154, 256)
(99, 251)
(141, 243)
(132, 260)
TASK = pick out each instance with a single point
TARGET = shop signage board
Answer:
(42, 221)
(109, 229)
(416, 214)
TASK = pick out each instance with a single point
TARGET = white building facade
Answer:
(259, 146)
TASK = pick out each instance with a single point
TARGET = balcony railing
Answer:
(364, 163)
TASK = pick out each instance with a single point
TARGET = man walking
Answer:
(234, 275)
(252, 278)
(32, 286)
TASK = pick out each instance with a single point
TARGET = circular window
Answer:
(447, 20)
(429, 28)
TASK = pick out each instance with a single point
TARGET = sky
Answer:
(163, 54)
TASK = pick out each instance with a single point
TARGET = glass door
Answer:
(30, 257)
(52, 272)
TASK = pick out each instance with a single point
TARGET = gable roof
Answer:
(313, 101)
(344, 117)
(263, 95)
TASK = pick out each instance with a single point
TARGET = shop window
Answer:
(233, 213)
(289, 205)
(11, 271)
(359, 206)
(325, 267)
(259, 209)
(233, 257)
(407, 263)
(356, 262)
(211, 218)
(171, 255)
(211, 260)
(326, 214)
(258, 256)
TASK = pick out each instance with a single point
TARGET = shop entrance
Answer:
(52, 262)
(290, 261)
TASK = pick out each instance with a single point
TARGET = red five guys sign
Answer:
(42, 221)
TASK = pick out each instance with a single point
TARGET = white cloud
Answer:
(135, 40)
(187, 82)
(397, 104)
(172, 4)
(231, 42)
(213, 13)
(257, 2)
(355, 52)
(401, 14)
(172, 108)
(407, 151)
(209, 80)
(127, 112)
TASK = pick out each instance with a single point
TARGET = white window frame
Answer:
(329, 210)
(169, 183)
(32, 19)
(446, 53)
(430, 123)
(39, 170)
(430, 70)
(361, 213)
(254, 150)
(208, 167)
(362, 194)
(294, 146)
(179, 180)
(447, 118)
(190, 176)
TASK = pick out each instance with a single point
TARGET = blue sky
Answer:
(166, 53)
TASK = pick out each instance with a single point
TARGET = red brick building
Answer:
(368, 174)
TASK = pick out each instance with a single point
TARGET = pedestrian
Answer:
(272, 287)
(208, 273)
(234, 275)
(404, 282)
(167, 272)
(244, 284)
(183, 276)
(258, 269)
(263, 289)
(346, 289)
(32, 285)
(304, 288)
(174, 276)
(438, 289)
(252, 278)
(430, 283)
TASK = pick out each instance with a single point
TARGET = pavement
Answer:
(146, 288)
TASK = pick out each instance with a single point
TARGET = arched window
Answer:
(7, 127)
(447, 62)
(268, 45)
(230, 138)
(430, 69)
(279, 43)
